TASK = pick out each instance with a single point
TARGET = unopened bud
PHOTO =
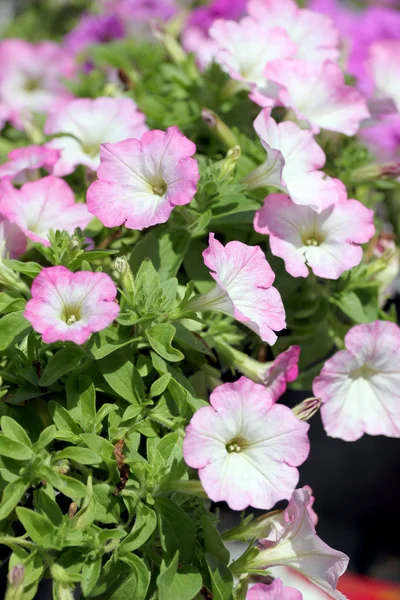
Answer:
(307, 409)
(172, 46)
(126, 276)
(74, 243)
(73, 507)
(220, 129)
(16, 575)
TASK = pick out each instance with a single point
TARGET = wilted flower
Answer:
(325, 241)
(42, 205)
(244, 288)
(245, 446)
(68, 306)
(359, 386)
(141, 181)
(89, 123)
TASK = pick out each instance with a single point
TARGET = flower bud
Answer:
(16, 575)
(126, 276)
(219, 128)
(307, 409)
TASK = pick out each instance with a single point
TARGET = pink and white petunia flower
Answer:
(23, 164)
(359, 386)
(68, 306)
(245, 446)
(141, 181)
(327, 241)
(89, 123)
(42, 205)
(383, 64)
(332, 104)
(293, 542)
(243, 289)
(314, 34)
(12, 240)
(274, 591)
(246, 48)
(31, 78)
(274, 375)
(293, 160)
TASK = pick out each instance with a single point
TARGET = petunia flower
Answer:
(359, 386)
(94, 29)
(314, 34)
(12, 240)
(327, 242)
(246, 48)
(88, 123)
(42, 205)
(331, 105)
(31, 78)
(274, 591)
(245, 446)
(274, 375)
(293, 542)
(293, 162)
(68, 306)
(23, 164)
(141, 181)
(243, 289)
(383, 64)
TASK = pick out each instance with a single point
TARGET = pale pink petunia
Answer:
(293, 162)
(245, 446)
(42, 205)
(317, 93)
(89, 123)
(384, 67)
(293, 542)
(243, 289)
(23, 164)
(12, 240)
(196, 40)
(141, 181)
(31, 78)
(327, 242)
(68, 306)
(359, 386)
(246, 48)
(315, 35)
(274, 591)
(275, 375)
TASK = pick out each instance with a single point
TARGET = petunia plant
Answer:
(199, 210)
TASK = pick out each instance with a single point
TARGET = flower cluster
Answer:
(198, 211)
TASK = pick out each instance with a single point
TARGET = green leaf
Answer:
(350, 304)
(160, 338)
(221, 578)
(166, 252)
(14, 431)
(13, 449)
(47, 507)
(46, 437)
(90, 575)
(213, 541)
(62, 419)
(38, 527)
(11, 303)
(160, 385)
(31, 269)
(13, 327)
(81, 400)
(64, 361)
(100, 445)
(145, 524)
(105, 342)
(12, 494)
(80, 455)
(138, 581)
(123, 377)
(177, 531)
(174, 583)
(188, 339)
